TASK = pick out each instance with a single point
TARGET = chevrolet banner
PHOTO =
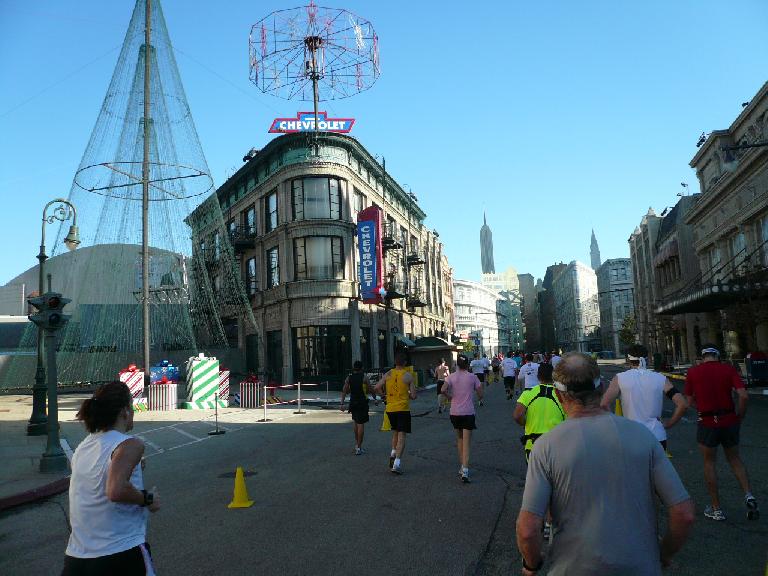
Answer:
(305, 122)
(371, 259)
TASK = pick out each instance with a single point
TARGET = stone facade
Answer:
(614, 286)
(528, 291)
(545, 306)
(577, 315)
(290, 214)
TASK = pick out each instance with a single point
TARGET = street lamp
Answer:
(63, 211)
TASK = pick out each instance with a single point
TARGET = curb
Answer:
(41, 493)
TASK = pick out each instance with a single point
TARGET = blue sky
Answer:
(554, 116)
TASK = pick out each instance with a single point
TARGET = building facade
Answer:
(730, 236)
(291, 218)
(545, 304)
(507, 285)
(594, 252)
(478, 317)
(528, 292)
(616, 301)
(577, 315)
(486, 249)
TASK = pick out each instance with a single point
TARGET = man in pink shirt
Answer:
(460, 387)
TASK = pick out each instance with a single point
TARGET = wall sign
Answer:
(371, 271)
(305, 122)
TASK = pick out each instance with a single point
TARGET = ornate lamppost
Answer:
(63, 211)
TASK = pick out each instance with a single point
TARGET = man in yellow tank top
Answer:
(400, 388)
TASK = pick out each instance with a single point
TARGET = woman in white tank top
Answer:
(108, 505)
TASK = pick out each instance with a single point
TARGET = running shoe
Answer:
(358, 451)
(397, 470)
(753, 512)
(465, 475)
(716, 514)
(391, 462)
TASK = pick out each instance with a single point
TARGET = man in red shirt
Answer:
(709, 388)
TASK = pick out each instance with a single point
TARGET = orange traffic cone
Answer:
(240, 499)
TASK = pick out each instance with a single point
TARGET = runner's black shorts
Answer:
(465, 422)
(713, 437)
(440, 386)
(133, 561)
(481, 376)
(400, 421)
(359, 414)
(509, 381)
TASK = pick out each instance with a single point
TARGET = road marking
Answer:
(151, 444)
(187, 434)
(67, 448)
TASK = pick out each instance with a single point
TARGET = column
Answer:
(354, 329)
(373, 313)
(285, 308)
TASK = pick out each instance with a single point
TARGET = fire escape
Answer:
(392, 246)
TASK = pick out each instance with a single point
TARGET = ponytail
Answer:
(100, 412)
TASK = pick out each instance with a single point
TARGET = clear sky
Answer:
(555, 116)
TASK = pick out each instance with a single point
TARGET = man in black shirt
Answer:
(357, 386)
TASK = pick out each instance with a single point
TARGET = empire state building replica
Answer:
(486, 248)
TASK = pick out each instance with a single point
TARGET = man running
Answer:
(486, 369)
(495, 365)
(528, 373)
(538, 410)
(477, 367)
(461, 386)
(709, 388)
(357, 386)
(400, 389)
(509, 372)
(642, 394)
(441, 373)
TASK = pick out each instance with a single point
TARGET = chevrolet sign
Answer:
(305, 122)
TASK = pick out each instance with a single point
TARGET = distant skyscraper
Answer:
(594, 252)
(486, 248)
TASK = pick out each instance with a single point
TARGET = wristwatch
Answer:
(149, 498)
(533, 568)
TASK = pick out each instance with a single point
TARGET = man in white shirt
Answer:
(642, 394)
(477, 366)
(486, 369)
(554, 359)
(529, 373)
(509, 372)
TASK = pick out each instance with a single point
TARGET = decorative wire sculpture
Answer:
(313, 53)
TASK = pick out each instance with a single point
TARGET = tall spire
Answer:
(594, 252)
(486, 248)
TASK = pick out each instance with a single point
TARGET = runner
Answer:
(709, 388)
(642, 394)
(495, 365)
(460, 387)
(528, 372)
(477, 367)
(509, 372)
(554, 359)
(357, 386)
(538, 410)
(486, 369)
(401, 388)
(441, 373)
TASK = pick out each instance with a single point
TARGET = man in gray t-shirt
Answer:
(598, 474)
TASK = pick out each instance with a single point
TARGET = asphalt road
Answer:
(319, 509)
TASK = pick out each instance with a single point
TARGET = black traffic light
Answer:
(50, 307)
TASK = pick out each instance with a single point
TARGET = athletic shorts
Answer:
(465, 422)
(400, 421)
(481, 376)
(440, 386)
(134, 561)
(509, 381)
(359, 415)
(713, 437)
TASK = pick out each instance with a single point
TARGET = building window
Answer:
(763, 238)
(321, 351)
(315, 198)
(251, 280)
(319, 258)
(216, 245)
(270, 211)
(273, 267)
(231, 228)
(249, 219)
(359, 199)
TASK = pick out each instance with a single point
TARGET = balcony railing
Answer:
(242, 238)
(415, 258)
(390, 239)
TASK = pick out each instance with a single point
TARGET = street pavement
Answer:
(320, 509)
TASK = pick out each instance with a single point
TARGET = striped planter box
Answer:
(163, 397)
(140, 405)
(202, 384)
(249, 394)
(135, 381)
(224, 386)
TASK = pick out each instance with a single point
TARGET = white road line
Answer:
(151, 444)
(187, 434)
(67, 449)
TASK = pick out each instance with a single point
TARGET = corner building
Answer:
(291, 213)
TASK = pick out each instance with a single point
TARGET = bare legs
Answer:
(359, 433)
(710, 470)
(463, 438)
(398, 443)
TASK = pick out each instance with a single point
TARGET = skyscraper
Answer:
(594, 252)
(486, 248)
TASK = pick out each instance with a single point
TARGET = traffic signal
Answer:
(50, 311)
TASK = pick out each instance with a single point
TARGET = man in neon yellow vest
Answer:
(400, 388)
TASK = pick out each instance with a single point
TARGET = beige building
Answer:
(730, 235)
(290, 214)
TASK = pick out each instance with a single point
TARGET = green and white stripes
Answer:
(203, 384)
